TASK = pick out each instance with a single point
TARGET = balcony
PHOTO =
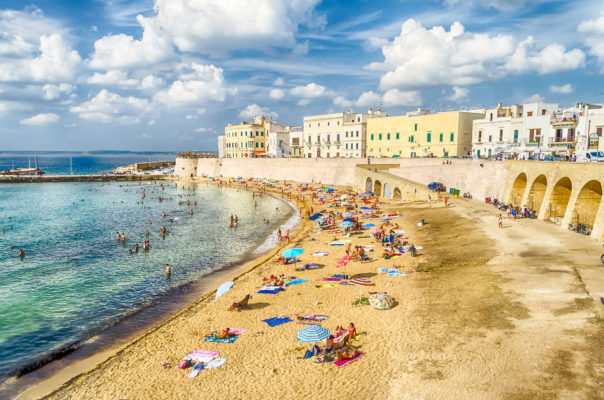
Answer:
(529, 142)
(560, 141)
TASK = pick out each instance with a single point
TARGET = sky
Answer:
(170, 74)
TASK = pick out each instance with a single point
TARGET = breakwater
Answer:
(79, 178)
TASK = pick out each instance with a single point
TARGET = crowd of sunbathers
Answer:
(338, 346)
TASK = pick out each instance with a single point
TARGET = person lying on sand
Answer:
(241, 304)
(221, 334)
(346, 354)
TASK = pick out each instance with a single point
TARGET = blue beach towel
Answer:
(296, 282)
(272, 322)
(223, 340)
(387, 270)
(269, 291)
(396, 274)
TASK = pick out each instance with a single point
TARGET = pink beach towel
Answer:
(236, 331)
(343, 363)
(203, 355)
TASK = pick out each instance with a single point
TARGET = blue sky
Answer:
(169, 74)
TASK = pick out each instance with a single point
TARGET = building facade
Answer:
(422, 134)
(296, 141)
(337, 134)
(221, 146)
(245, 140)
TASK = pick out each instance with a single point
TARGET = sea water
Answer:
(76, 279)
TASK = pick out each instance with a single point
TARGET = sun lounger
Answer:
(272, 322)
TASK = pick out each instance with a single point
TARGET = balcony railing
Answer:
(529, 142)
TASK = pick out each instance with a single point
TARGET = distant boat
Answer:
(24, 171)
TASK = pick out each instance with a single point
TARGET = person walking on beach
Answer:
(287, 236)
(446, 199)
(279, 234)
(500, 221)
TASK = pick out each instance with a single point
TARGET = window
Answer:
(452, 138)
(542, 112)
(346, 146)
(318, 139)
(599, 131)
(357, 133)
(372, 136)
(411, 138)
(479, 136)
(491, 117)
(338, 137)
(328, 138)
(415, 128)
(429, 137)
(261, 133)
(515, 135)
(529, 114)
(490, 138)
(318, 124)
(440, 137)
(388, 136)
(501, 135)
(558, 135)
(398, 136)
(346, 133)
(327, 123)
(357, 146)
(570, 136)
(380, 136)
(358, 119)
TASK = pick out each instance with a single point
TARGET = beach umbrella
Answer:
(348, 220)
(343, 261)
(344, 196)
(345, 203)
(366, 201)
(315, 216)
(346, 224)
(312, 333)
(381, 301)
(225, 287)
(291, 253)
(368, 226)
(347, 214)
(375, 230)
(362, 282)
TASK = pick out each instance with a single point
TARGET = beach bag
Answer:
(308, 354)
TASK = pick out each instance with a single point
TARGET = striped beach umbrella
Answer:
(312, 333)
(362, 282)
(346, 224)
(381, 301)
(375, 230)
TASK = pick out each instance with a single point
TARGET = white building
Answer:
(296, 141)
(498, 132)
(337, 134)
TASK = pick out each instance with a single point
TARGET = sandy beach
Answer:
(482, 313)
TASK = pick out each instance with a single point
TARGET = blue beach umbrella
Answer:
(312, 333)
(348, 220)
(346, 224)
(291, 253)
(315, 216)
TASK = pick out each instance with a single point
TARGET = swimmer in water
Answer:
(168, 270)
(190, 212)
(148, 232)
(21, 253)
(118, 236)
(136, 248)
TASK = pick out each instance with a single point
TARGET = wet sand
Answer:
(483, 313)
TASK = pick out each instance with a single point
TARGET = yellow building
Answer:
(246, 140)
(421, 134)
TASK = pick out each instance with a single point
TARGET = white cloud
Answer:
(151, 82)
(300, 49)
(190, 116)
(310, 90)
(399, 98)
(342, 101)
(41, 119)
(53, 92)
(303, 102)
(420, 57)
(459, 94)
(593, 30)
(123, 51)
(501, 5)
(201, 130)
(219, 26)
(374, 43)
(113, 77)
(109, 107)
(565, 89)
(279, 82)
(200, 84)
(254, 109)
(145, 136)
(369, 99)
(276, 94)
(151, 122)
(536, 98)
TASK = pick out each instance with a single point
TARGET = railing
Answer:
(529, 142)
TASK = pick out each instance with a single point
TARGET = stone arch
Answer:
(387, 191)
(369, 185)
(518, 189)
(535, 197)
(559, 199)
(377, 189)
(588, 203)
(397, 193)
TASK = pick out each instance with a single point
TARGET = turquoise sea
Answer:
(76, 279)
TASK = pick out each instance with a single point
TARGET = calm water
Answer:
(57, 163)
(76, 279)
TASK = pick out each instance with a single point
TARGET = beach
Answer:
(481, 313)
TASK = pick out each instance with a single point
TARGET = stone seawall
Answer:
(79, 178)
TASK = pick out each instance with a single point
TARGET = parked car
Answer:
(590, 156)
(437, 187)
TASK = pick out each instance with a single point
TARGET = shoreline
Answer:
(52, 377)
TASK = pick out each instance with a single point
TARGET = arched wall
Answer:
(537, 193)
(397, 193)
(369, 185)
(588, 203)
(387, 191)
(518, 189)
(377, 188)
(558, 201)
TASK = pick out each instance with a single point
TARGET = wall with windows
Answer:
(244, 140)
(439, 135)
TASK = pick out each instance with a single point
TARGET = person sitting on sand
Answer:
(346, 354)
(221, 334)
(241, 304)
(388, 253)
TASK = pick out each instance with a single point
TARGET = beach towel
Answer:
(346, 283)
(215, 363)
(419, 248)
(320, 253)
(202, 355)
(332, 279)
(343, 363)
(309, 266)
(400, 232)
(328, 285)
(269, 291)
(236, 331)
(341, 276)
(387, 270)
(296, 282)
(272, 322)
(312, 317)
(337, 243)
(193, 373)
(396, 274)
(223, 340)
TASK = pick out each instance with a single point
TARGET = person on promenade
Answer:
(500, 221)
(236, 220)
